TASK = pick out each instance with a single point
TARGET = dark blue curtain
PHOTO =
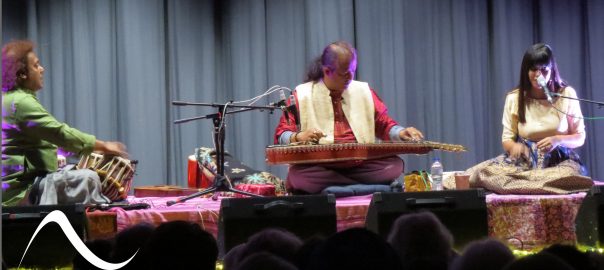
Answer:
(443, 66)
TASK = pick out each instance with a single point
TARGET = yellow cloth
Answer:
(417, 181)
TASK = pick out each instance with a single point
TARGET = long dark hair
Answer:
(539, 54)
(314, 72)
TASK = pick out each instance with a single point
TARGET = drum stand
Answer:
(221, 182)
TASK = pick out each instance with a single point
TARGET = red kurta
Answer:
(342, 130)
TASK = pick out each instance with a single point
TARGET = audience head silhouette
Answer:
(276, 241)
(129, 241)
(486, 254)
(180, 245)
(265, 261)
(420, 239)
(571, 255)
(541, 260)
(352, 249)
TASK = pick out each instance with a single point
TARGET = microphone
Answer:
(292, 108)
(543, 83)
(282, 103)
(282, 97)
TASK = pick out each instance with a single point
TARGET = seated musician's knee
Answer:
(79, 175)
(89, 174)
(398, 165)
(392, 168)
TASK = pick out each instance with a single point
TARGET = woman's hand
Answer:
(548, 144)
(518, 150)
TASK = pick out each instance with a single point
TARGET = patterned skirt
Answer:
(557, 172)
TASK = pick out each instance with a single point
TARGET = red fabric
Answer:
(195, 177)
(342, 130)
(264, 190)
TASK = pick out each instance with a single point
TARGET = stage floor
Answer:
(526, 222)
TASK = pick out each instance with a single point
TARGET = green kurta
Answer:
(30, 136)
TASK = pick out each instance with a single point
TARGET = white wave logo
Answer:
(60, 218)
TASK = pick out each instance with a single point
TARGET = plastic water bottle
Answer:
(436, 172)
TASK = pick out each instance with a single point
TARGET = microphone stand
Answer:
(221, 183)
(600, 104)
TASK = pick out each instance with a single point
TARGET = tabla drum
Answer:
(116, 177)
(93, 161)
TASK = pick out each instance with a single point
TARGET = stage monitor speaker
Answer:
(463, 212)
(589, 223)
(50, 248)
(305, 216)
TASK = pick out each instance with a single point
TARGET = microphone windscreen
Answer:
(541, 81)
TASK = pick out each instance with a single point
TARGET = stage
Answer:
(525, 222)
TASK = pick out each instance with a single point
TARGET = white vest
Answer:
(316, 110)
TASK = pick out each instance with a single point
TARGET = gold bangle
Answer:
(296, 136)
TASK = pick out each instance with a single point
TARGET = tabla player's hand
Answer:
(411, 134)
(116, 148)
